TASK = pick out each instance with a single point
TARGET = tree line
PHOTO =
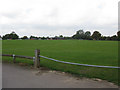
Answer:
(80, 34)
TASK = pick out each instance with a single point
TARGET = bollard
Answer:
(37, 59)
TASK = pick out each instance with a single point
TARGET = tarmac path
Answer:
(16, 76)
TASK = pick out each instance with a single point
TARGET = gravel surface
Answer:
(20, 76)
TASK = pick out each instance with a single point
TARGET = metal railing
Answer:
(79, 63)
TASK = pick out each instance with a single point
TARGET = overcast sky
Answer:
(58, 17)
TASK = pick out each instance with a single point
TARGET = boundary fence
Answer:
(79, 63)
(36, 60)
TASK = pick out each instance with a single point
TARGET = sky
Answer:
(58, 17)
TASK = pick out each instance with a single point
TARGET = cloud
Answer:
(54, 17)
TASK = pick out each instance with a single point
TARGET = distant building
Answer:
(33, 38)
(51, 38)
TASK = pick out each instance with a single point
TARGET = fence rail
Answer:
(19, 56)
(78, 63)
(36, 60)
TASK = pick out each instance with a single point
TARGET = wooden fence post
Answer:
(37, 59)
(14, 58)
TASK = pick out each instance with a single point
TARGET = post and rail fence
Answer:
(36, 60)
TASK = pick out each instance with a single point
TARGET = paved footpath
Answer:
(16, 76)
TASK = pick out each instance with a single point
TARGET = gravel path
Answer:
(16, 76)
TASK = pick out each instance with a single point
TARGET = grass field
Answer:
(78, 51)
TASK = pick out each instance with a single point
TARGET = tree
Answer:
(5, 37)
(61, 36)
(96, 35)
(79, 35)
(118, 35)
(24, 37)
(48, 37)
(43, 38)
(108, 38)
(33, 38)
(114, 37)
(12, 35)
(88, 35)
(80, 32)
(103, 38)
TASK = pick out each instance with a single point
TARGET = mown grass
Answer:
(80, 51)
